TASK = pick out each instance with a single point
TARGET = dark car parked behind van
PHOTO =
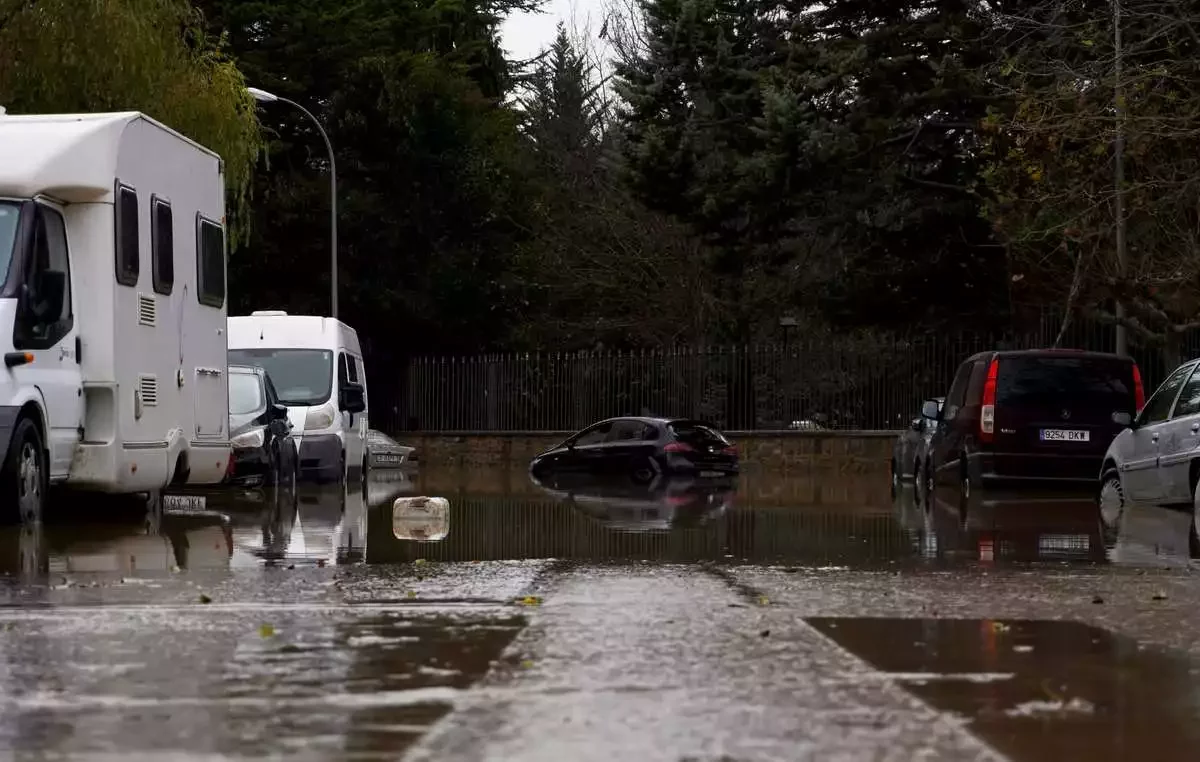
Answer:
(1042, 416)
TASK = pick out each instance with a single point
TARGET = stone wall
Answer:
(784, 453)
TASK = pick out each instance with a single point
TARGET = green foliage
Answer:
(432, 174)
(1052, 149)
(826, 151)
(151, 56)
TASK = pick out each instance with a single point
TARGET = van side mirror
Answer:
(1122, 418)
(930, 410)
(916, 424)
(279, 412)
(352, 398)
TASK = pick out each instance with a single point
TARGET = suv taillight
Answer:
(1139, 391)
(987, 414)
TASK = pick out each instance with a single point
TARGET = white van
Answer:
(300, 353)
(112, 308)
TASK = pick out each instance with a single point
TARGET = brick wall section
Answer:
(775, 452)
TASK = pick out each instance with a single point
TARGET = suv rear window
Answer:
(1038, 380)
(695, 434)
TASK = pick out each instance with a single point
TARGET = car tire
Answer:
(1194, 532)
(643, 471)
(24, 477)
(1110, 504)
(964, 483)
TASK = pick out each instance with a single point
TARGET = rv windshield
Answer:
(9, 212)
(301, 376)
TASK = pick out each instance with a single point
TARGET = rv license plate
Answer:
(1065, 435)
(710, 474)
(185, 502)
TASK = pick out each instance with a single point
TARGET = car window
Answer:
(958, 391)
(245, 394)
(1189, 396)
(626, 431)
(1159, 406)
(594, 435)
(697, 435)
(1053, 381)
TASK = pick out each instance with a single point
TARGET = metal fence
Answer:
(841, 382)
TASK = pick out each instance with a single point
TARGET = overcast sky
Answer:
(526, 34)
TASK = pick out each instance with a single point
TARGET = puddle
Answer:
(366, 685)
(1037, 690)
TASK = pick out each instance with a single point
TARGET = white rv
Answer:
(112, 308)
(300, 353)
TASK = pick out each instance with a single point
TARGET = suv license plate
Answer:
(1065, 435)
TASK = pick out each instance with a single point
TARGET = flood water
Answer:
(811, 520)
(815, 617)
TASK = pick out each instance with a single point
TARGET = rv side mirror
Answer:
(1122, 419)
(352, 398)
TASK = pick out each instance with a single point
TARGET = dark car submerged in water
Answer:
(264, 450)
(642, 449)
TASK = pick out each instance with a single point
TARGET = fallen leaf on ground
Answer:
(266, 630)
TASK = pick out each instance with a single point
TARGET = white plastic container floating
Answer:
(421, 519)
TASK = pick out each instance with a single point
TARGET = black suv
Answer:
(1043, 416)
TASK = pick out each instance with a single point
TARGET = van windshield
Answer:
(9, 213)
(1100, 384)
(301, 376)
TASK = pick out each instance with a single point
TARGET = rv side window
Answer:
(128, 259)
(210, 262)
(162, 245)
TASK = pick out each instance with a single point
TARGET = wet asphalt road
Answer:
(774, 622)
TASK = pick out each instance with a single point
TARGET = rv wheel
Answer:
(23, 478)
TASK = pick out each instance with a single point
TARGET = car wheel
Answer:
(24, 481)
(1194, 534)
(1111, 504)
(643, 471)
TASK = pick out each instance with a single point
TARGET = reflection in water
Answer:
(326, 526)
(675, 520)
(577, 517)
(1037, 690)
(664, 504)
(999, 526)
(160, 544)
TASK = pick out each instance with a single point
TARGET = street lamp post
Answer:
(262, 96)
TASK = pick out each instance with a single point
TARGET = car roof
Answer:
(651, 419)
(1076, 353)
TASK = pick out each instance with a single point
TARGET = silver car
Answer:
(384, 452)
(911, 447)
(1156, 459)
